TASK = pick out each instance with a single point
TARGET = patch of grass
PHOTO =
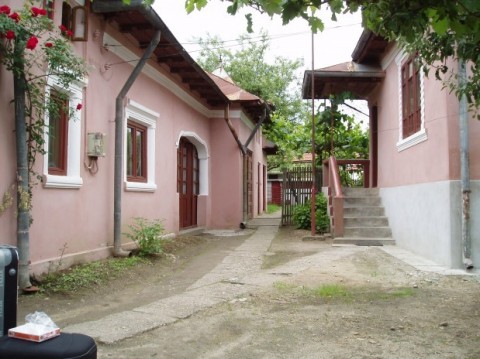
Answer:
(88, 275)
(331, 291)
(338, 292)
(284, 287)
(401, 293)
(272, 208)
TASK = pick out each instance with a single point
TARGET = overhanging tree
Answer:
(435, 29)
(32, 49)
(276, 82)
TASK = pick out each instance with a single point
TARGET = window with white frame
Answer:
(61, 168)
(139, 147)
(411, 102)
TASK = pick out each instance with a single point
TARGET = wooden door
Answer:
(187, 182)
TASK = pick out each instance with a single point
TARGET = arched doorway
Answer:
(187, 182)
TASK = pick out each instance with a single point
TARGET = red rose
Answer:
(4, 9)
(62, 28)
(10, 35)
(32, 43)
(35, 11)
(48, 44)
(79, 106)
(69, 33)
(15, 17)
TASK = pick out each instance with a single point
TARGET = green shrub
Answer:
(301, 215)
(146, 233)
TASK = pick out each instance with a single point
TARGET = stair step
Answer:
(365, 211)
(360, 192)
(367, 232)
(357, 241)
(372, 221)
(362, 201)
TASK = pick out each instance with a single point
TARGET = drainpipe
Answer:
(109, 6)
(118, 171)
(465, 170)
(232, 130)
(243, 149)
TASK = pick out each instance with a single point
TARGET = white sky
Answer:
(294, 40)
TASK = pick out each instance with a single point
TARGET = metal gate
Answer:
(297, 189)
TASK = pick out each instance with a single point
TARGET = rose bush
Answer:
(33, 49)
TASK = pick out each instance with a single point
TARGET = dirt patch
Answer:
(364, 305)
(188, 259)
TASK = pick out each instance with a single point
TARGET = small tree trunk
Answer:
(23, 179)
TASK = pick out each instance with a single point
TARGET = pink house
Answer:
(164, 141)
(416, 146)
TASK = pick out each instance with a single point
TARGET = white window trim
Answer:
(421, 135)
(148, 118)
(72, 179)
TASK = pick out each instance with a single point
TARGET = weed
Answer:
(328, 292)
(146, 233)
(331, 291)
(87, 275)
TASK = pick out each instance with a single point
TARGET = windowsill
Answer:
(412, 140)
(67, 182)
(140, 186)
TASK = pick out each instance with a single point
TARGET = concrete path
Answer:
(237, 275)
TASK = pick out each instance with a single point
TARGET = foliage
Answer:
(87, 275)
(436, 30)
(302, 219)
(337, 133)
(33, 49)
(273, 82)
(146, 233)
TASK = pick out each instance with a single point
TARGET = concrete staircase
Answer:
(365, 222)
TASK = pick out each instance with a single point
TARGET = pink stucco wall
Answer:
(77, 224)
(437, 158)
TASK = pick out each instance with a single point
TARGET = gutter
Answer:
(115, 6)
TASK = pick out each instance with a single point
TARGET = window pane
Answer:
(139, 147)
(136, 152)
(57, 134)
(129, 152)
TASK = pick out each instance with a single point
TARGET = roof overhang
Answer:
(139, 22)
(358, 79)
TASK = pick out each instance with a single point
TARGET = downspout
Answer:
(465, 169)
(232, 130)
(118, 168)
(243, 150)
(245, 166)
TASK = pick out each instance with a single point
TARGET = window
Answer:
(140, 148)
(136, 152)
(49, 5)
(58, 135)
(411, 105)
(75, 19)
(61, 168)
(411, 120)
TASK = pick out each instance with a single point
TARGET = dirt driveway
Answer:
(365, 305)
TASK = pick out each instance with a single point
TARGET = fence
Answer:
(297, 189)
